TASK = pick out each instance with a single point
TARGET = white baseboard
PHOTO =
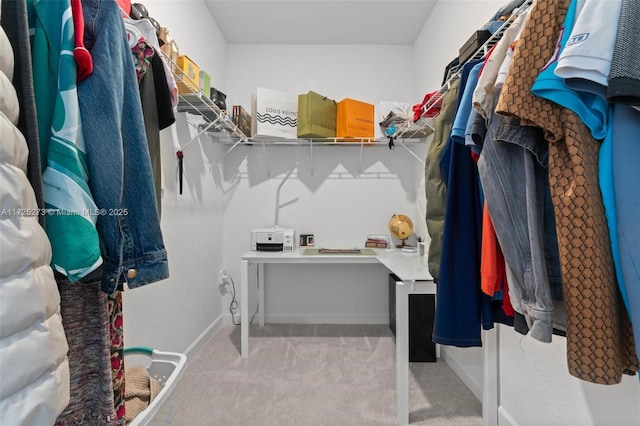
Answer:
(462, 373)
(326, 319)
(226, 319)
(504, 418)
(204, 337)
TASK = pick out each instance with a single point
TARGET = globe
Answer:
(401, 227)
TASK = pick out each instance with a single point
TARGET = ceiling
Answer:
(397, 22)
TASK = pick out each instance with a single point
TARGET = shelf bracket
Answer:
(311, 150)
(421, 160)
(227, 152)
(266, 158)
(201, 132)
(361, 155)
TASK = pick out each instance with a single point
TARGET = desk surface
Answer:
(407, 266)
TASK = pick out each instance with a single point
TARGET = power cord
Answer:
(234, 304)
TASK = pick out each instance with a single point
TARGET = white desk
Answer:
(414, 279)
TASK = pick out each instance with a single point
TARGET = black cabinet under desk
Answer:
(421, 316)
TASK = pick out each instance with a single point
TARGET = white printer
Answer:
(273, 239)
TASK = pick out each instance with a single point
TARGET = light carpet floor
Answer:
(308, 375)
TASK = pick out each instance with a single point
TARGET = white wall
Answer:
(534, 385)
(450, 24)
(197, 34)
(369, 73)
(536, 389)
(341, 196)
(172, 314)
(337, 198)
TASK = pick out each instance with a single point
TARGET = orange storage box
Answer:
(355, 119)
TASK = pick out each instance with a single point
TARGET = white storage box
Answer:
(166, 367)
(274, 114)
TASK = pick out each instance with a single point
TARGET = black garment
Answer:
(158, 115)
(451, 68)
(166, 116)
(16, 26)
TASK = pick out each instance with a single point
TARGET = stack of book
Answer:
(375, 241)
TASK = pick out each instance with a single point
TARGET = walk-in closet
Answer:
(456, 244)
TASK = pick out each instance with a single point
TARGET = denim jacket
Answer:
(118, 156)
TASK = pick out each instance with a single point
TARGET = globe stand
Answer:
(401, 227)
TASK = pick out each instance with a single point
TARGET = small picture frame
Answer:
(377, 241)
(307, 240)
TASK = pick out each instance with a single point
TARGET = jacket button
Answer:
(132, 273)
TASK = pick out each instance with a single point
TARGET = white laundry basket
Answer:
(167, 367)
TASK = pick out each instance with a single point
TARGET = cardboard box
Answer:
(169, 47)
(188, 80)
(474, 43)
(355, 119)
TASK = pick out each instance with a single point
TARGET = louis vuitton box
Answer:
(355, 119)
(274, 114)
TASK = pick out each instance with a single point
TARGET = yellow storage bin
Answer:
(189, 79)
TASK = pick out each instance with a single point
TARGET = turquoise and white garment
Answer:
(591, 108)
(69, 207)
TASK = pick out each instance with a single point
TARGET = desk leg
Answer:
(261, 294)
(402, 352)
(244, 308)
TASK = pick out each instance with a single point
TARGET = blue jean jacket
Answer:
(117, 155)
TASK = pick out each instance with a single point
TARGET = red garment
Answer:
(80, 53)
(507, 308)
(493, 273)
(125, 5)
(492, 269)
(430, 106)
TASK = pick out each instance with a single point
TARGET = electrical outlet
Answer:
(222, 276)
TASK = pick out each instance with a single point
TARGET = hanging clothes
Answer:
(12, 21)
(626, 178)
(34, 381)
(435, 188)
(116, 341)
(146, 30)
(71, 211)
(122, 178)
(156, 105)
(86, 322)
(515, 183)
(624, 75)
(594, 316)
(459, 283)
